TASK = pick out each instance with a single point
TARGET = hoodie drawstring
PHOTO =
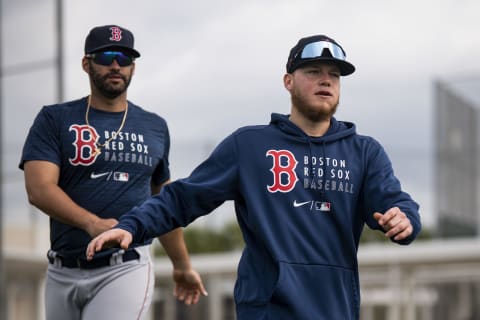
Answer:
(323, 170)
(312, 169)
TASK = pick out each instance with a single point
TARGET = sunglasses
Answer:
(106, 58)
(315, 49)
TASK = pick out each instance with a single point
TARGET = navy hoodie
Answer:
(301, 203)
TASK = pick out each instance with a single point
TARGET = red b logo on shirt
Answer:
(284, 164)
(85, 145)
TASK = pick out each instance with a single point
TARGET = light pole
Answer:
(60, 96)
(60, 62)
(3, 304)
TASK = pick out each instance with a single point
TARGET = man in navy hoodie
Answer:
(304, 186)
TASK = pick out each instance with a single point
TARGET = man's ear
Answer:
(85, 64)
(288, 81)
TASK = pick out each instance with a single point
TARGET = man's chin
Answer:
(112, 94)
(113, 91)
(313, 110)
(316, 115)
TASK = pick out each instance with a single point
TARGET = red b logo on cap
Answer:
(116, 34)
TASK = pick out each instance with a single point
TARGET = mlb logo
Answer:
(324, 206)
(120, 176)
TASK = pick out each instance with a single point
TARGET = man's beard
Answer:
(107, 90)
(309, 112)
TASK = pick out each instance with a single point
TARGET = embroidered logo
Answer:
(322, 206)
(300, 204)
(94, 175)
(116, 34)
(85, 139)
(117, 176)
(283, 169)
(120, 176)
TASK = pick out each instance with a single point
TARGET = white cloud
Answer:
(211, 66)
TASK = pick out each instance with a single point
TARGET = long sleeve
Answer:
(382, 191)
(181, 202)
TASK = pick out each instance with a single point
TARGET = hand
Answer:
(108, 239)
(188, 286)
(395, 223)
(100, 225)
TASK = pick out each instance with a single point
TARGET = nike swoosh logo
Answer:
(299, 204)
(94, 175)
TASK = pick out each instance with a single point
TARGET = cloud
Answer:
(211, 66)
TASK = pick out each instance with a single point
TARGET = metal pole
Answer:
(60, 97)
(60, 62)
(3, 303)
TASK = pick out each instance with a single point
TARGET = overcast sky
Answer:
(211, 66)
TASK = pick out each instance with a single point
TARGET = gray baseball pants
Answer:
(121, 291)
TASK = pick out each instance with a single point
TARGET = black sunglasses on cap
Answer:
(318, 48)
(106, 58)
(315, 49)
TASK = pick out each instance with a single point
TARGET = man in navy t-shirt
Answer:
(86, 163)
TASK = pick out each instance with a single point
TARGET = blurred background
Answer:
(209, 67)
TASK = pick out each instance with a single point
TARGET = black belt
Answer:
(82, 263)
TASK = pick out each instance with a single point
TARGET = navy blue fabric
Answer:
(302, 232)
(110, 184)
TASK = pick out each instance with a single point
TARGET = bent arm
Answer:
(41, 183)
(387, 206)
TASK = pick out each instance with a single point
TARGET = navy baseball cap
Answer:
(110, 37)
(318, 48)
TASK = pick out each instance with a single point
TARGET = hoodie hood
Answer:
(337, 130)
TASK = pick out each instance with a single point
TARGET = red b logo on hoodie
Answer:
(283, 169)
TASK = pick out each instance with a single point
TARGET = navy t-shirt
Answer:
(107, 184)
